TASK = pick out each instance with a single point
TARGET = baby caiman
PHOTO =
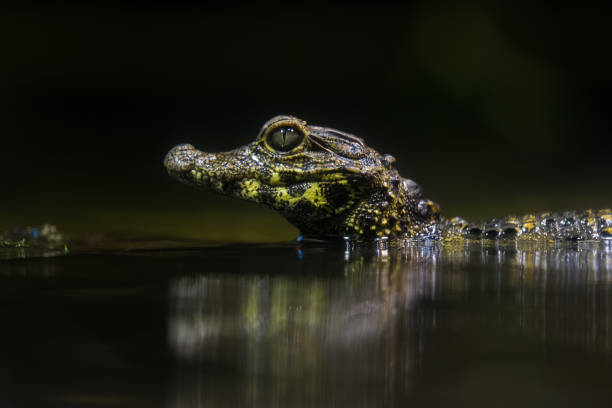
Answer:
(330, 184)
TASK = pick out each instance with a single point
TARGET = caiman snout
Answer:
(180, 159)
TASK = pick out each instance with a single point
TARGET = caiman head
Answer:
(326, 182)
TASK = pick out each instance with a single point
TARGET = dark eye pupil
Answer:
(285, 138)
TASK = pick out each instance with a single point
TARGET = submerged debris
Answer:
(27, 242)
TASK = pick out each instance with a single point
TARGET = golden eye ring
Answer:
(284, 138)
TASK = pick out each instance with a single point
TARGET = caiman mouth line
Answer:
(182, 160)
(276, 179)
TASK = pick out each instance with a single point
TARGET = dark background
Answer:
(493, 107)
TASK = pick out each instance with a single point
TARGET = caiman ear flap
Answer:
(337, 142)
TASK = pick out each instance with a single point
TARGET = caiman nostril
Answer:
(180, 159)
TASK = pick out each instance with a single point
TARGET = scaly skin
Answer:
(329, 184)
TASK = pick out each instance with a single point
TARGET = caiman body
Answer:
(330, 185)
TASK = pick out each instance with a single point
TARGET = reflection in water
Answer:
(359, 334)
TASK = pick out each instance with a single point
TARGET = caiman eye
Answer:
(284, 139)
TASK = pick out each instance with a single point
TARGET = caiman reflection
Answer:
(361, 335)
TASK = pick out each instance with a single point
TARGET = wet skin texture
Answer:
(329, 184)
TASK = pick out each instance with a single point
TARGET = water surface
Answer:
(308, 325)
